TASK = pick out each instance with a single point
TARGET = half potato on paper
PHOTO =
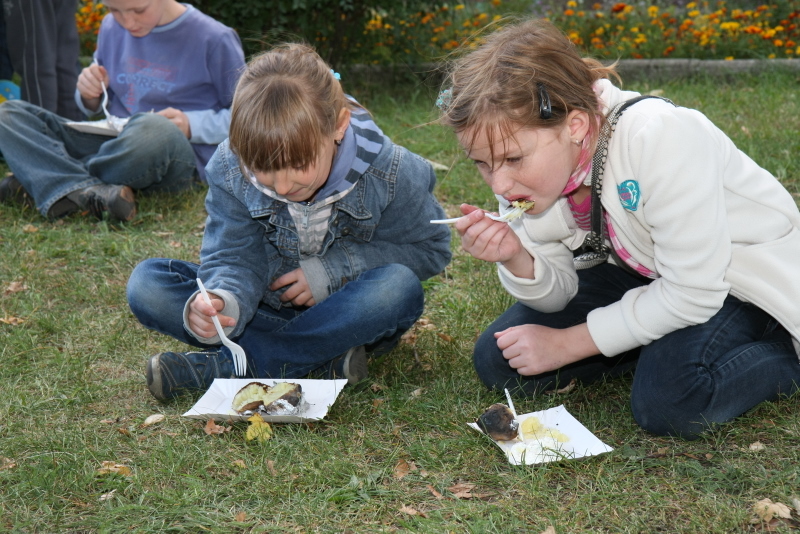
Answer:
(315, 398)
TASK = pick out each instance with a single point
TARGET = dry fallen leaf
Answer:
(240, 517)
(13, 321)
(569, 387)
(107, 496)
(425, 324)
(409, 338)
(445, 337)
(7, 463)
(108, 467)
(796, 504)
(765, 510)
(566, 389)
(271, 467)
(412, 511)
(757, 446)
(417, 392)
(403, 468)
(434, 492)
(153, 419)
(259, 429)
(462, 490)
(15, 287)
(213, 428)
(549, 530)
(29, 229)
(239, 463)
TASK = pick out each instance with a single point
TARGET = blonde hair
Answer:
(286, 106)
(496, 88)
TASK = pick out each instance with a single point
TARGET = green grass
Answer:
(73, 391)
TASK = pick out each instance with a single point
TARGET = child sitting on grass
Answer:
(691, 272)
(152, 55)
(316, 240)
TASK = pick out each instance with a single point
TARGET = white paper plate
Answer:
(557, 423)
(318, 396)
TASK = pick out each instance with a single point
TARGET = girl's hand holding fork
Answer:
(493, 241)
(200, 313)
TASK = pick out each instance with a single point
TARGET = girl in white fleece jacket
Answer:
(697, 282)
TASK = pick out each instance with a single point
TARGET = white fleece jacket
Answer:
(707, 220)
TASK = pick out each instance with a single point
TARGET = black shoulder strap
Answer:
(596, 239)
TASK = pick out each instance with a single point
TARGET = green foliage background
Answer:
(331, 25)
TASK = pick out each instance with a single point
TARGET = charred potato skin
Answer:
(249, 398)
(282, 400)
(274, 400)
(498, 422)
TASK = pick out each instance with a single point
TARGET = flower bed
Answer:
(699, 30)
(702, 30)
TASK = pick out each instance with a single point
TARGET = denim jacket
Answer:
(250, 238)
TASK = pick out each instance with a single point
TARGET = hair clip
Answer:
(336, 74)
(545, 110)
(444, 100)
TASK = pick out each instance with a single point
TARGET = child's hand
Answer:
(200, 314)
(298, 292)
(493, 241)
(534, 349)
(90, 85)
(179, 119)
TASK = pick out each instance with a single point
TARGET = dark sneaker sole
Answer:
(154, 383)
(355, 365)
(12, 192)
(123, 207)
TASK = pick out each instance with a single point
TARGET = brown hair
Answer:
(497, 85)
(285, 107)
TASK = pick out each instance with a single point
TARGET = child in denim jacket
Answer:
(316, 240)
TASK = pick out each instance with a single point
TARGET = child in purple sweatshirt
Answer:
(164, 66)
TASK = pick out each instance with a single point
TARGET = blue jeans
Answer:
(684, 383)
(373, 310)
(51, 159)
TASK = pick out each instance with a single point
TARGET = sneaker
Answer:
(116, 200)
(12, 192)
(351, 365)
(171, 373)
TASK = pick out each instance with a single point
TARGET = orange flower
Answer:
(618, 7)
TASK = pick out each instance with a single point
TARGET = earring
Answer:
(577, 142)
(337, 142)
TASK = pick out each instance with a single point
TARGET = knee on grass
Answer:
(669, 419)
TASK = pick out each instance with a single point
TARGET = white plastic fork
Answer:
(117, 123)
(513, 411)
(513, 213)
(239, 357)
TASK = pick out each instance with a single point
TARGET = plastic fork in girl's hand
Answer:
(239, 357)
(509, 216)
